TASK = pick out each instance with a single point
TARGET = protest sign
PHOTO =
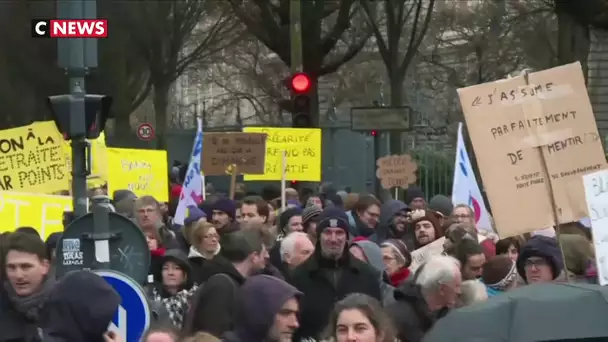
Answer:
(509, 122)
(32, 160)
(596, 195)
(142, 171)
(245, 150)
(396, 171)
(423, 254)
(302, 147)
(42, 212)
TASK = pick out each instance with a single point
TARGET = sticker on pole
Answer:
(145, 132)
(133, 316)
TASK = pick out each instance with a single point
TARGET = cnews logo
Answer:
(70, 28)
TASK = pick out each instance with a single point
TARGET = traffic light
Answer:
(301, 100)
(374, 133)
(97, 112)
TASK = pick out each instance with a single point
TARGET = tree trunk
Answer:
(573, 41)
(161, 106)
(396, 100)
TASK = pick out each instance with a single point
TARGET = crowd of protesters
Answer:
(331, 265)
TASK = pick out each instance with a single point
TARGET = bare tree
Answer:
(331, 35)
(170, 36)
(399, 27)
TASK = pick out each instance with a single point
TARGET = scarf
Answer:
(177, 305)
(29, 306)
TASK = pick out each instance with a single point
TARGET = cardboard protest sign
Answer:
(245, 150)
(32, 159)
(423, 254)
(396, 171)
(302, 147)
(42, 212)
(509, 122)
(142, 171)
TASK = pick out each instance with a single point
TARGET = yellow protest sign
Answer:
(99, 158)
(142, 171)
(32, 160)
(42, 212)
(302, 147)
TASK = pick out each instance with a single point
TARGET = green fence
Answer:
(435, 170)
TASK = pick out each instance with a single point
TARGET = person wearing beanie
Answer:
(397, 259)
(124, 201)
(267, 310)
(426, 227)
(310, 216)
(290, 221)
(329, 274)
(224, 216)
(443, 206)
(499, 275)
(540, 260)
(414, 198)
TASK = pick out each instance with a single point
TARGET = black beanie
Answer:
(544, 247)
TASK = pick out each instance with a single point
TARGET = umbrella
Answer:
(533, 313)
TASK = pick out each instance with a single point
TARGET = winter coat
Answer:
(410, 313)
(259, 300)
(212, 306)
(324, 282)
(79, 309)
(14, 327)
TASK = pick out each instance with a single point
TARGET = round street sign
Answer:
(145, 132)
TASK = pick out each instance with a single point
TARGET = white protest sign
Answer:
(423, 254)
(596, 196)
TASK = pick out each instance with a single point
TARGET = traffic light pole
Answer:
(295, 18)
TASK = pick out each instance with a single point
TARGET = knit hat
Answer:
(499, 273)
(429, 215)
(441, 204)
(333, 218)
(412, 193)
(544, 247)
(120, 195)
(310, 214)
(225, 205)
(285, 216)
(400, 249)
(193, 214)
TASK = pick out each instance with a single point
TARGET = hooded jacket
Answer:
(259, 300)
(79, 309)
(373, 254)
(386, 229)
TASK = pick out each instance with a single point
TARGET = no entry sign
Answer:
(145, 132)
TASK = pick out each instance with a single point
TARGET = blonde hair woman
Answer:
(205, 246)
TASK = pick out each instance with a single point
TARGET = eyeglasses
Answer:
(535, 262)
(211, 236)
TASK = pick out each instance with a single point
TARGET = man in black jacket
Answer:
(330, 274)
(434, 289)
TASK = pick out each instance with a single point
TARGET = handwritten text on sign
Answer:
(596, 195)
(302, 148)
(245, 150)
(32, 159)
(510, 122)
(142, 171)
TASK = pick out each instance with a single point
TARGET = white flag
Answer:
(192, 189)
(465, 189)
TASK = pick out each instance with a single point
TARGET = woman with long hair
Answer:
(360, 317)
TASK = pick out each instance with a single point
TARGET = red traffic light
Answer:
(374, 133)
(300, 83)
